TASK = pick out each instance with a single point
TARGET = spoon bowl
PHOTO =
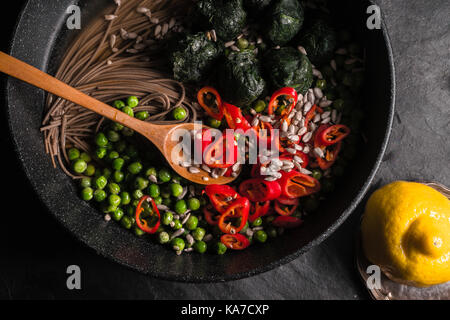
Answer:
(162, 136)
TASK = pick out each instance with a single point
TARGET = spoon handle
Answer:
(37, 78)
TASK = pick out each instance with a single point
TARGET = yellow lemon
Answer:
(406, 232)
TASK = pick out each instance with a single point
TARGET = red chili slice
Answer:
(143, 224)
(211, 216)
(287, 222)
(258, 209)
(295, 184)
(221, 196)
(212, 108)
(234, 117)
(259, 190)
(238, 209)
(285, 209)
(222, 153)
(331, 154)
(289, 95)
(235, 241)
(312, 113)
(332, 134)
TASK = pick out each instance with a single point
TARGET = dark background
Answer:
(35, 250)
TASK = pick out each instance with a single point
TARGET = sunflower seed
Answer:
(193, 170)
(277, 162)
(265, 119)
(249, 232)
(206, 168)
(350, 61)
(177, 233)
(271, 178)
(298, 147)
(133, 51)
(162, 207)
(165, 28)
(297, 165)
(326, 114)
(333, 65)
(305, 171)
(341, 51)
(284, 126)
(118, 2)
(208, 237)
(316, 118)
(173, 21)
(154, 20)
(326, 120)
(112, 40)
(229, 44)
(158, 30)
(317, 74)
(312, 126)
(277, 48)
(311, 97)
(294, 138)
(325, 103)
(302, 131)
(298, 159)
(115, 50)
(185, 164)
(186, 218)
(307, 137)
(306, 149)
(142, 10)
(110, 17)
(139, 46)
(302, 50)
(124, 34)
(205, 179)
(190, 239)
(319, 152)
(292, 129)
(334, 115)
(107, 217)
(307, 107)
(214, 175)
(291, 150)
(109, 62)
(318, 93)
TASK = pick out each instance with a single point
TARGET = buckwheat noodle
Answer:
(118, 55)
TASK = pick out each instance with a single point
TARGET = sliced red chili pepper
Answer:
(285, 209)
(287, 201)
(259, 190)
(295, 184)
(312, 113)
(238, 209)
(300, 154)
(332, 134)
(221, 196)
(234, 117)
(211, 216)
(210, 100)
(235, 241)
(287, 96)
(265, 132)
(258, 209)
(143, 224)
(222, 153)
(331, 154)
(287, 222)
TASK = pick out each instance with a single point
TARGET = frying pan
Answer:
(40, 39)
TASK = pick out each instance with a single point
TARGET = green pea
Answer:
(135, 203)
(317, 174)
(114, 200)
(129, 111)
(101, 182)
(120, 146)
(113, 188)
(80, 166)
(101, 152)
(99, 195)
(117, 127)
(153, 190)
(311, 204)
(200, 246)
(167, 202)
(135, 168)
(321, 84)
(138, 232)
(163, 237)
(126, 222)
(257, 222)
(119, 104)
(198, 233)
(112, 155)
(113, 136)
(260, 106)
(164, 175)
(177, 224)
(179, 113)
(73, 154)
(214, 123)
(177, 244)
(167, 218)
(242, 43)
(118, 176)
(220, 248)
(180, 207)
(132, 101)
(117, 214)
(87, 194)
(127, 132)
(192, 223)
(260, 236)
(125, 198)
(140, 183)
(138, 194)
(90, 170)
(86, 182)
(272, 232)
(158, 200)
(194, 204)
(176, 189)
(107, 173)
(130, 210)
(142, 115)
(101, 140)
(151, 172)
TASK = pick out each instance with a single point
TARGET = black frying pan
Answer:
(41, 38)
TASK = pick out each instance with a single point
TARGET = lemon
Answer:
(406, 232)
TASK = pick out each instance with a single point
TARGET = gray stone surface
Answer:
(418, 150)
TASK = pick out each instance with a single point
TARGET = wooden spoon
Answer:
(160, 135)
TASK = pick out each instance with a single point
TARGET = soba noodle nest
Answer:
(117, 56)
